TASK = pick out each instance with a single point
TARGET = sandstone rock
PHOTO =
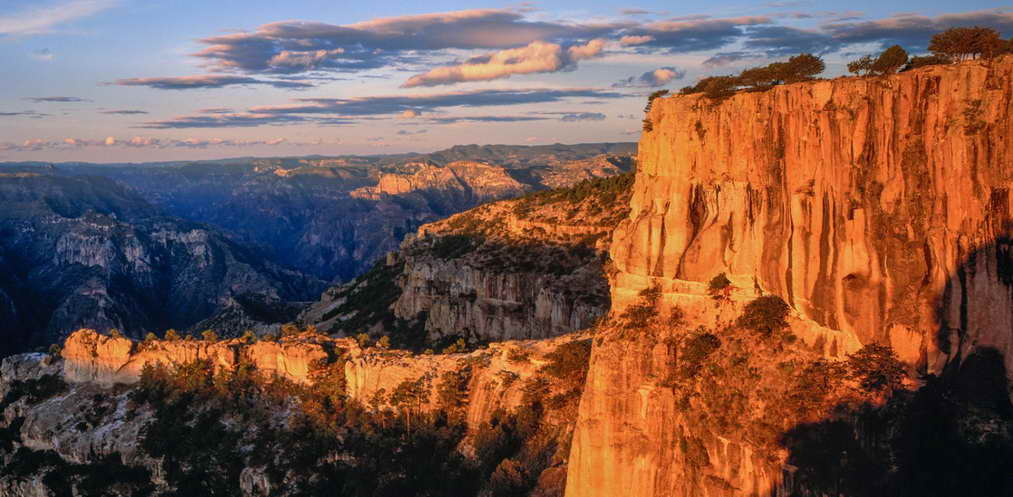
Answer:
(878, 208)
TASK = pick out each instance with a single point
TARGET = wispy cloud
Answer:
(24, 113)
(43, 19)
(64, 100)
(123, 112)
(340, 111)
(40, 144)
(206, 81)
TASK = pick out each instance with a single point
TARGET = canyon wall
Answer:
(518, 269)
(877, 208)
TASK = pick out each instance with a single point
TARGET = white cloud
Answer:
(535, 57)
(43, 19)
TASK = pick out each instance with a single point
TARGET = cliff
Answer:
(877, 208)
(526, 268)
(64, 420)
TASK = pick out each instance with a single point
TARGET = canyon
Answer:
(800, 291)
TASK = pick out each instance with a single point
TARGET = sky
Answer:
(136, 80)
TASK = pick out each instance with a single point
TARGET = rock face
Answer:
(517, 269)
(877, 208)
(94, 417)
(85, 251)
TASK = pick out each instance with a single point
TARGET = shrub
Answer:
(876, 369)
(209, 336)
(362, 339)
(55, 350)
(652, 97)
(569, 361)
(925, 61)
(249, 336)
(289, 330)
(718, 284)
(171, 335)
(383, 342)
(115, 333)
(764, 315)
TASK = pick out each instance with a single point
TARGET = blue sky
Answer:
(131, 80)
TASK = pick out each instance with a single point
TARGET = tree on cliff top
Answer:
(888, 62)
(968, 43)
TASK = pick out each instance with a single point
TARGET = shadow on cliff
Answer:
(951, 436)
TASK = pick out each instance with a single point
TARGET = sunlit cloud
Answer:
(43, 54)
(651, 79)
(536, 57)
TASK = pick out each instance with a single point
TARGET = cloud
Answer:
(484, 119)
(405, 132)
(635, 12)
(913, 31)
(206, 81)
(43, 19)
(409, 114)
(536, 57)
(630, 40)
(235, 120)
(123, 112)
(39, 144)
(777, 41)
(692, 34)
(726, 58)
(44, 54)
(25, 113)
(298, 46)
(651, 79)
(574, 116)
(56, 99)
(397, 104)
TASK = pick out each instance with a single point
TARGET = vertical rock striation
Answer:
(877, 208)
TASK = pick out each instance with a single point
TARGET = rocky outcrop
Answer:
(518, 269)
(474, 180)
(65, 434)
(878, 208)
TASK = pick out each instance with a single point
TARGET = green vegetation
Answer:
(209, 336)
(968, 43)
(802, 67)
(648, 125)
(604, 193)
(34, 391)
(765, 315)
(876, 369)
(888, 62)
(718, 285)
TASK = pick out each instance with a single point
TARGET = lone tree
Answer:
(862, 66)
(967, 43)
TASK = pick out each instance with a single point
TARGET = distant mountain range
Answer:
(234, 244)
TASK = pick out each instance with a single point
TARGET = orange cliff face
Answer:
(877, 208)
(874, 206)
(496, 375)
